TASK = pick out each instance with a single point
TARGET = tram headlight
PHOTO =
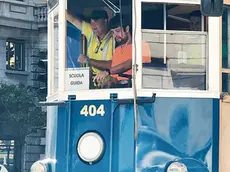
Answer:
(90, 147)
(177, 167)
(39, 167)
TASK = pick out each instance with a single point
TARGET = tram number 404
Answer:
(92, 110)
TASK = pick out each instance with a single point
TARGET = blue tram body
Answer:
(169, 130)
(177, 129)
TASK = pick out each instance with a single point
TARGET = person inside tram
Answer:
(195, 20)
(122, 58)
(99, 40)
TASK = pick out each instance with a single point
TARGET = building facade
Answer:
(23, 40)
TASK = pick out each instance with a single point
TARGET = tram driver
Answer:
(99, 40)
(122, 58)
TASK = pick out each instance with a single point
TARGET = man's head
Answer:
(121, 28)
(99, 22)
(195, 20)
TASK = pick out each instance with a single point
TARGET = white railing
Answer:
(41, 13)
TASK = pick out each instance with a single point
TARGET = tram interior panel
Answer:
(179, 55)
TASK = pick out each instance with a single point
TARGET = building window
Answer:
(15, 55)
(7, 154)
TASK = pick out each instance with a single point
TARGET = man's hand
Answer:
(83, 59)
(100, 77)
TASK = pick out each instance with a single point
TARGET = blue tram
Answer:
(168, 117)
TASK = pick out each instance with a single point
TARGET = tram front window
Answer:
(95, 40)
(177, 38)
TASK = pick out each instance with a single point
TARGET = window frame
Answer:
(62, 94)
(213, 66)
(16, 152)
(22, 58)
(225, 69)
(51, 62)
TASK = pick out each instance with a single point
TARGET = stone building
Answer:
(23, 32)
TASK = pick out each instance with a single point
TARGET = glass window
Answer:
(15, 55)
(175, 36)
(99, 46)
(7, 154)
(225, 51)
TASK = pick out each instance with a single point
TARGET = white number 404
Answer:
(92, 110)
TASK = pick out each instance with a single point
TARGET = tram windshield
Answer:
(99, 46)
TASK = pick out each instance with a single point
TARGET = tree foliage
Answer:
(18, 105)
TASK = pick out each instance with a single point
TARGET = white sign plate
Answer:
(77, 79)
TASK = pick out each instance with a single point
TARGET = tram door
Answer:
(224, 147)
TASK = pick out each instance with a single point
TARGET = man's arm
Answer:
(121, 68)
(74, 20)
(99, 64)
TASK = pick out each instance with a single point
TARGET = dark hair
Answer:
(99, 14)
(195, 13)
(120, 20)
